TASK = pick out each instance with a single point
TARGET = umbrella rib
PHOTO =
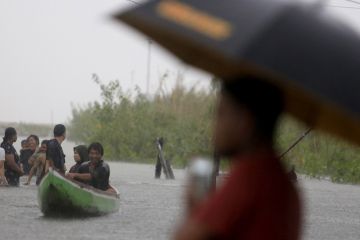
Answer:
(134, 2)
(337, 6)
(352, 1)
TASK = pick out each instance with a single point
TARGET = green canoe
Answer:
(59, 195)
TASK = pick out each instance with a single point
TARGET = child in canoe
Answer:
(38, 161)
(80, 156)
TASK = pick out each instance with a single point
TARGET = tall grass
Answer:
(128, 123)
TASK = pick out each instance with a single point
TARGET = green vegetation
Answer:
(128, 123)
(320, 154)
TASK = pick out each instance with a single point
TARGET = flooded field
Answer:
(151, 208)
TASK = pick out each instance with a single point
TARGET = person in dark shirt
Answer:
(12, 167)
(32, 145)
(55, 157)
(99, 171)
(80, 156)
(25, 154)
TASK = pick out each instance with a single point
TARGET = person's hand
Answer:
(71, 175)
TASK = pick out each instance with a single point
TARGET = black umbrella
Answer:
(313, 57)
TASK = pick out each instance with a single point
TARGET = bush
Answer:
(128, 123)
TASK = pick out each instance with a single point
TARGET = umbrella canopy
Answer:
(314, 58)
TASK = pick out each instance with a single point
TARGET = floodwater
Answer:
(151, 208)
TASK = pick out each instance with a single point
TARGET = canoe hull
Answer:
(58, 195)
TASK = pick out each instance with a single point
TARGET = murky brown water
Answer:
(150, 208)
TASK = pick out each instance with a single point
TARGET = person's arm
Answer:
(215, 216)
(31, 173)
(79, 176)
(31, 160)
(49, 158)
(10, 161)
(33, 169)
(47, 166)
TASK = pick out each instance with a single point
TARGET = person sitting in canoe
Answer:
(81, 156)
(99, 171)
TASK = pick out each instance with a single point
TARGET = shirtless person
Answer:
(38, 163)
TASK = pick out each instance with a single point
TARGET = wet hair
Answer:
(82, 150)
(23, 142)
(97, 147)
(59, 130)
(9, 133)
(263, 100)
(36, 138)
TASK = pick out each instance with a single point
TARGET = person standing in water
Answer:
(32, 145)
(12, 167)
(80, 156)
(258, 200)
(55, 157)
(3, 181)
(38, 163)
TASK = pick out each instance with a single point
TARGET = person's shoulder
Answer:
(105, 165)
(51, 142)
(39, 155)
(7, 147)
(87, 163)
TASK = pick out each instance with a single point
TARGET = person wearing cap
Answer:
(3, 181)
(55, 157)
(12, 167)
(257, 200)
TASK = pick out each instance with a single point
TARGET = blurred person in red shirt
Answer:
(257, 200)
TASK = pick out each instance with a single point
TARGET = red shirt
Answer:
(257, 201)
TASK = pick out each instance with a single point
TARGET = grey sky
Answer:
(49, 50)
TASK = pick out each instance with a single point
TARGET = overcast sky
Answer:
(50, 49)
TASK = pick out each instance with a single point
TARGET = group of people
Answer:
(36, 159)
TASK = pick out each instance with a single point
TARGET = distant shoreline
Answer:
(25, 129)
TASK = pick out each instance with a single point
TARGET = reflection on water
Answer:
(150, 208)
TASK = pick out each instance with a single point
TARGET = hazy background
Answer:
(50, 49)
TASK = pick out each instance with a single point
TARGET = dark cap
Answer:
(59, 130)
